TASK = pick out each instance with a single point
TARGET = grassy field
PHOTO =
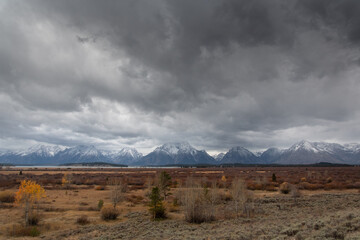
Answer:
(326, 204)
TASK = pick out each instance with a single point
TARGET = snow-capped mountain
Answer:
(80, 154)
(55, 155)
(240, 155)
(125, 156)
(176, 153)
(352, 147)
(42, 150)
(40, 154)
(176, 148)
(305, 152)
(218, 157)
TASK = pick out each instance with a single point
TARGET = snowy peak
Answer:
(304, 145)
(218, 157)
(84, 150)
(176, 153)
(130, 152)
(352, 147)
(124, 152)
(42, 150)
(317, 147)
(176, 148)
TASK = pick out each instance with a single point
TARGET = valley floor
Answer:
(328, 208)
(317, 216)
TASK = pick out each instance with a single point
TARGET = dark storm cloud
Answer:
(342, 16)
(217, 73)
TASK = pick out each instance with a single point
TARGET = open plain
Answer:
(324, 205)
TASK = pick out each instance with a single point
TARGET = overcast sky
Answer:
(217, 74)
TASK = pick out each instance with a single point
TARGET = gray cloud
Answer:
(216, 73)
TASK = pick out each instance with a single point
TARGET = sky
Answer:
(215, 73)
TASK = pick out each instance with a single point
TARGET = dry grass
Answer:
(21, 231)
(62, 207)
(83, 220)
(7, 196)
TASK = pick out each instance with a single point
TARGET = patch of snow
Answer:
(41, 150)
(352, 147)
(304, 145)
(177, 147)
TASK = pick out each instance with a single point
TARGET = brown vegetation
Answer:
(7, 196)
(210, 194)
(109, 212)
(285, 188)
(83, 220)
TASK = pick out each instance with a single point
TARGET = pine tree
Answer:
(164, 184)
(157, 208)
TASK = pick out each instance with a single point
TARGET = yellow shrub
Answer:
(29, 191)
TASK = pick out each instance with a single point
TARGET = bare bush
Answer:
(199, 203)
(241, 198)
(83, 220)
(118, 191)
(295, 193)
(285, 188)
(108, 212)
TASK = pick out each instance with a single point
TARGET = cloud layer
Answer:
(215, 73)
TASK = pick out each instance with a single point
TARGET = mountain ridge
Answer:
(178, 153)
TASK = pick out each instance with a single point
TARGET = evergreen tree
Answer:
(157, 208)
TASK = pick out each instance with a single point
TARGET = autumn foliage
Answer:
(29, 192)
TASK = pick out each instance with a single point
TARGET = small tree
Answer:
(29, 192)
(100, 204)
(66, 180)
(117, 194)
(164, 184)
(273, 178)
(239, 194)
(295, 193)
(157, 208)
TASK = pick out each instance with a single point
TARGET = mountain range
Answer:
(183, 153)
(56, 155)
